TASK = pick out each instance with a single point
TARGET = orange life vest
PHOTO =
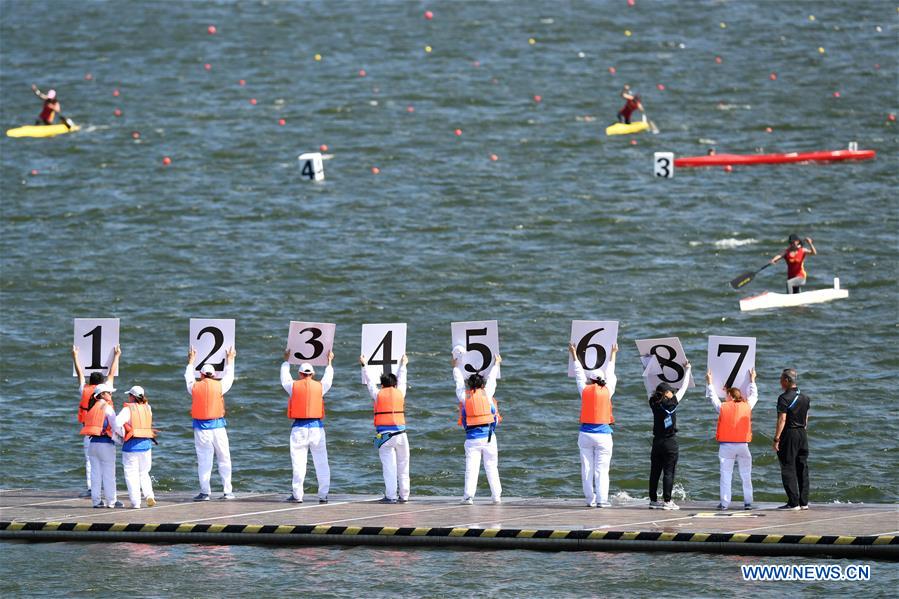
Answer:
(141, 424)
(208, 401)
(306, 399)
(596, 405)
(734, 422)
(389, 408)
(95, 424)
(86, 394)
(477, 408)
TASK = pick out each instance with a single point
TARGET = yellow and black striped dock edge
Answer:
(886, 546)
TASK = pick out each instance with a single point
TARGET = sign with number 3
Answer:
(310, 342)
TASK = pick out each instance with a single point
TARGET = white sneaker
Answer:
(497, 501)
(467, 501)
(656, 505)
(604, 504)
(591, 504)
(670, 505)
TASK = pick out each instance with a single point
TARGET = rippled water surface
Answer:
(566, 224)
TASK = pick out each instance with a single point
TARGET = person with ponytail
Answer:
(663, 460)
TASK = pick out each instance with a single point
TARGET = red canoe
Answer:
(726, 159)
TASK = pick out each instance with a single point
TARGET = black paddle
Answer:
(746, 277)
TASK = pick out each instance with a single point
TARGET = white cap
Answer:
(208, 370)
(51, 94)
(306, 368)
(596, 374)
(103, 388)
(136, 391)
(458, 352)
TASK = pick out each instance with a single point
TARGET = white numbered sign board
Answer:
(480, 338)
(383, 345)
(663, 361)
(310, 342)
(593, 341)
(212, 338)
(663, 164)
(311, 166)
(96, 339)
(730, 360)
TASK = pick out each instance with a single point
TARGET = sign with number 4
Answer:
(383, 346)
(212, 338)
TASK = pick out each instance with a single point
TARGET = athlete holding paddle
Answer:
(795, 255)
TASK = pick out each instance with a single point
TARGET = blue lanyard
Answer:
(795, 399)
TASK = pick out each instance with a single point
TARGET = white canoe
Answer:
(769, 299)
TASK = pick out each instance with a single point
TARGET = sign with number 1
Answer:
(730, 359)
(96, 339)
(310, 342)
(212, 338)
(480, 338)
(593, 341)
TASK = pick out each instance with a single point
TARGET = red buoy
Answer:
(211, 30)
(429, 15)
(166, 161)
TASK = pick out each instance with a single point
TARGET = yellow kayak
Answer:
(622, 129)
(41, 130)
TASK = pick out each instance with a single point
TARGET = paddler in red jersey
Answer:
(795, 256)
(51, 106)
(632, 103)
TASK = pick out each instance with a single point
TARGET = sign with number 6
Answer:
(310, 342)
(480, 338)
(663, 362)
(593, 341)
(730, 360)
(212, 338)
(96, 339)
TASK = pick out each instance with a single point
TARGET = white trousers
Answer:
(474, 449)
(727, 453)
(394, 456)
(136, 465)
(102, 457)
(795, 282)
(596, 456)
(304, 439)
(87, 460)
(207, 443)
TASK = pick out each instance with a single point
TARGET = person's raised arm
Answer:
(371, 385)
(459, 380)
(79, 371)
(711, 393)
(401, 374)
(37, 92)
(189, 370)
(579, 376)
(490, 386)
(611, 379)
(286, 379)
(753, 389)
(123, 417)
(114, 367)
(228, 374)
(811, 246)
(778, 257)
(328, 377)
(685, 383)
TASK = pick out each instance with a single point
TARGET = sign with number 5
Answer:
(730, 360)
(480, 338)
(212, 338)
(310, 342)
(593, 341)
(96, 339)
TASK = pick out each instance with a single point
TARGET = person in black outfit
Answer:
(664, 403)
(791, 441)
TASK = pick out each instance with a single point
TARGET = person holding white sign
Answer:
(208, 413)
(734, 434)
(100, 427)
(307, 408)
(87, 392)
(664, 403)
(479, 414)
(136, 419)
(595, 436)
(390, 423)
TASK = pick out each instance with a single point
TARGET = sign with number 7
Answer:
(730, 360)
